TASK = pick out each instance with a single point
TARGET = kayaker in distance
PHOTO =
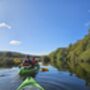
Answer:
(27, 62)
(33, 62)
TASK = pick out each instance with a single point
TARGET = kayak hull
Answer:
(29, 71)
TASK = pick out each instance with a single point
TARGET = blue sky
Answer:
(41, 26)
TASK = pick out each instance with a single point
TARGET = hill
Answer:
(75, 54)
(10, 59)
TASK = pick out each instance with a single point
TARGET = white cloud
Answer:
(4, 25)
(15, 42)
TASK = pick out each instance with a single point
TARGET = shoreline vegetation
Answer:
(12, 59)
(75, 58)
(75, 54)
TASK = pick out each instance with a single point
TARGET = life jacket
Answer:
(33, 62)
(27, 63)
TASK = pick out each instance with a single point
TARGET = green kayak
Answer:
(30, 84)
(29, 71)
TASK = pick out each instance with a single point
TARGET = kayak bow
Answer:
(28, 83)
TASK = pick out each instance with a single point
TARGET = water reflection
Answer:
(78, 70)
(60, 80)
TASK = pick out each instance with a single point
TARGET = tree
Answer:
(46, 59)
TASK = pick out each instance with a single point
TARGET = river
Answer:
(51, 80)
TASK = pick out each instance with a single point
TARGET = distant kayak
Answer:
(30, 84)
(29, 71)
(44, 69)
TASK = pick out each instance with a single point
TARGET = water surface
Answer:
(51, 80)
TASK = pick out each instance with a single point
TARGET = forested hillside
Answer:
(10, 59)
(75, 54)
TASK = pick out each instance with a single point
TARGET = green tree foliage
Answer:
(45, 60)
(10, 59)
(7, 59)
(74, 54)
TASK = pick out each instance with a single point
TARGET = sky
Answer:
(40, 26)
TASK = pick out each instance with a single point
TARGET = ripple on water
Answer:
(4, 75)
(52, 80)
(60, 81)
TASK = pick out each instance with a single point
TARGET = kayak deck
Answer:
(30, 83)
